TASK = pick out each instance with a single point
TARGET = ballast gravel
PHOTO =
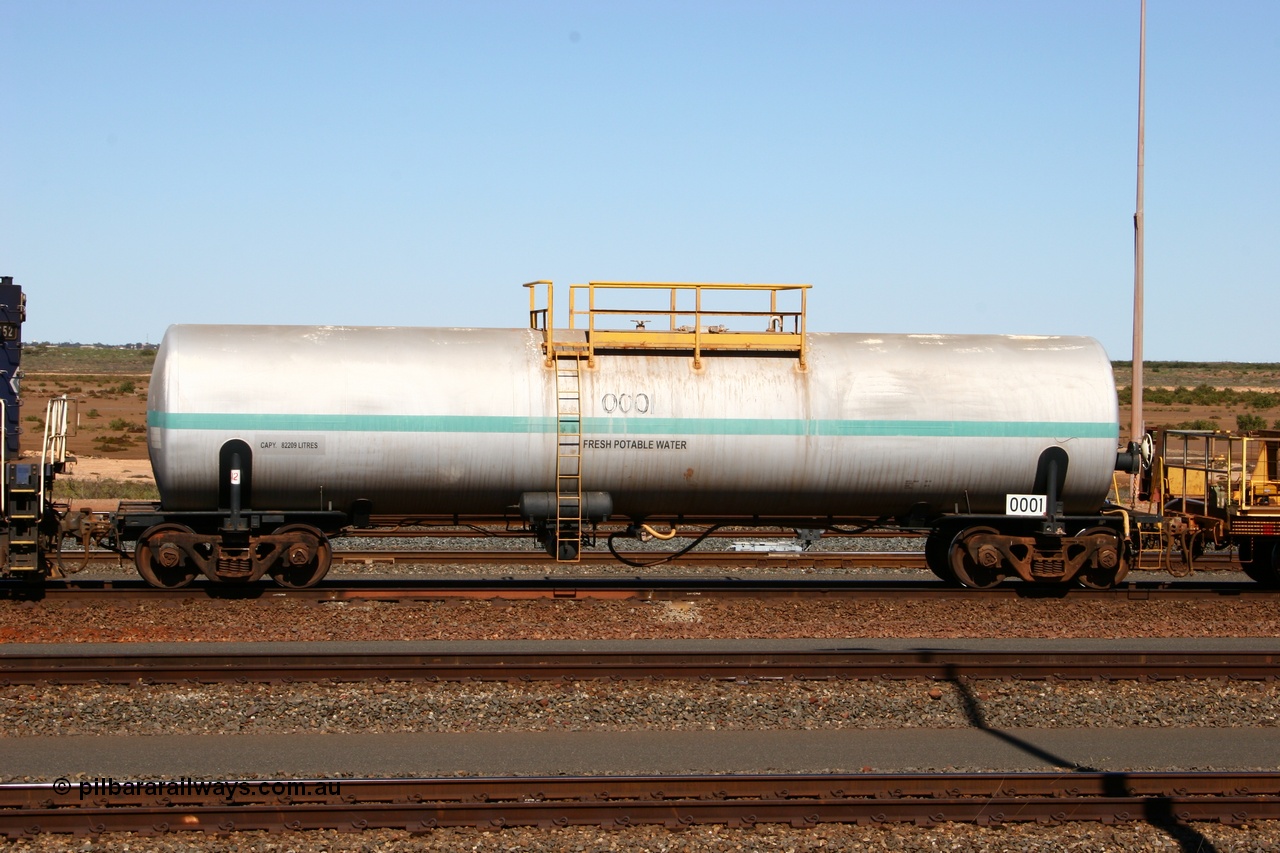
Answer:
(635, 705)
(945, 838)
(591, 619)
(604, 705)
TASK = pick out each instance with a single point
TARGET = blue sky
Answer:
(926, 166)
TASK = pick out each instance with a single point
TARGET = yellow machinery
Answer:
(1221, 488)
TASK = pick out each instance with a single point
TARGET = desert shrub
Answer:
(1202, 395)
(121, 425)
(1198, 423)
(1248, 422)
(72, 488)
(113, 443)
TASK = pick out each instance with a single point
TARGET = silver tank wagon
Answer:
(464, 421)
(689, 421)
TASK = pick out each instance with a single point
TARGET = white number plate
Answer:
(1024, 504)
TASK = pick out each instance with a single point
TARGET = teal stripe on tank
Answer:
(230, 422)
(640, 425)
(768, 426)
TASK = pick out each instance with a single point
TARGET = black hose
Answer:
(695, 543)
(863, 529)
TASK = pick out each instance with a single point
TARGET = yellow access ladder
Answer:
(568, 358)
(697, 319)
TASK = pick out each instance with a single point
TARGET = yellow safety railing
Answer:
(540, 318)
(1221, 469)
(680, 316)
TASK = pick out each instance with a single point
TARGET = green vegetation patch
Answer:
(1202, 395)
(113, 443)
(1191, 373)
(122, 425)
(54, 358)
(76, 488)
(1198, 423)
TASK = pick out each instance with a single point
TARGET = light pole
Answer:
(1136, 426)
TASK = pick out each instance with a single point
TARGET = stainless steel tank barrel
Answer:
(433, 420)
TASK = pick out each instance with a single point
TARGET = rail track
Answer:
(251, 666)
(745, 559)
(586, 587)
(419, 805)
(729, 559)
(474, 557)
(74, 560)
(726, 527)
(512, 527)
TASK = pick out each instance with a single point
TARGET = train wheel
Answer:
(937, 548)
(160, 560)
(1262, 563)
(306, 561)
(1104, 577)
(976, 574)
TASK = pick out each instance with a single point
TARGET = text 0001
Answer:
(1024, 504)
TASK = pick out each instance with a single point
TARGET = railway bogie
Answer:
(173, 549)
(981, 552)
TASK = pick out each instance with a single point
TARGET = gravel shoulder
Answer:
(292, 620)
(956, 838)
(602, 705)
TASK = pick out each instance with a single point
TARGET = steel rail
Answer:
(741, 525)
(539, 557)
(716, 558)
(448, 527)
(207, 667)
(743, 559)
(614, 588)
(419, 805)
(770, 559)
